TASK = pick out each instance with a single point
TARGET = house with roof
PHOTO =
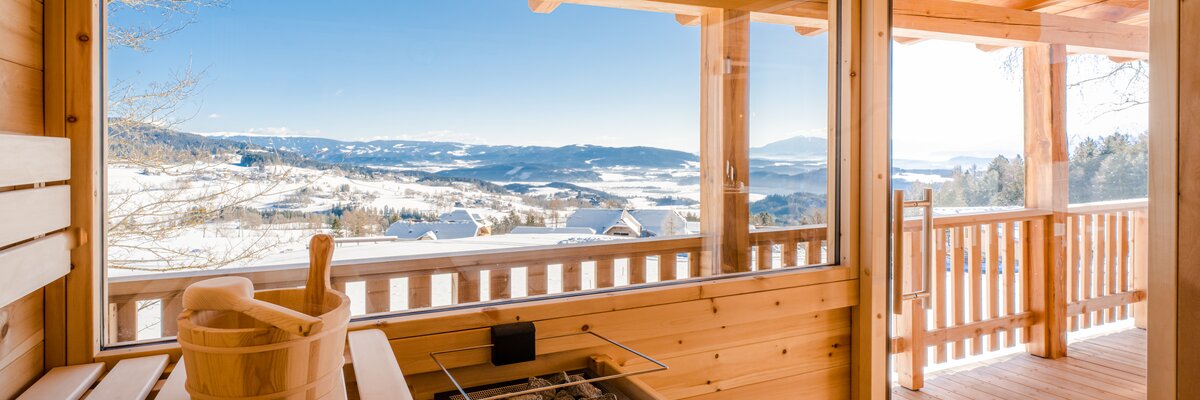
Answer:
(660, 222)
(606, 221)
(456, 224)
(549, 230)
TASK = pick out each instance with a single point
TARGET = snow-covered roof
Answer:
(660, 222)
(602, 220)
(456, 224)
(547, 230)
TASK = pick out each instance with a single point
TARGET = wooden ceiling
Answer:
(1117, 28)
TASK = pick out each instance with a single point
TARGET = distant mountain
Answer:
(522, 172)
(963, 161)
(795, 148)
(412, 153)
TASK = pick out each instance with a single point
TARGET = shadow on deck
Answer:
(1111, 366)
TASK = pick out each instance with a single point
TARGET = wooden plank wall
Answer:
(742, 338)
(21, 112)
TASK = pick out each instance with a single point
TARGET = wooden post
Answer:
(1046, 185)
(724, 144)
(1174, 174)
(910, 324)
(1141, 268)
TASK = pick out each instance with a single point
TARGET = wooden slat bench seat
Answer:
(68, 383)
(130, 379)
(376, 371)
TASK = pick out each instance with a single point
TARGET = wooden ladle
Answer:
(320, 256)
(235, 293)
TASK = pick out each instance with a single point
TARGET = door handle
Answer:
(927, 259)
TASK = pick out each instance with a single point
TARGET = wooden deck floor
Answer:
(1111, 366)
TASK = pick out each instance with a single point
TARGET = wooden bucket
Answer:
(230, 355)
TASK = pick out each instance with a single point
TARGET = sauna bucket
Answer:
(229, 355)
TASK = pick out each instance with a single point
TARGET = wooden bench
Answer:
(377, 375)
(130, 379)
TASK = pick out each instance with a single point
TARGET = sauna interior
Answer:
(710, 297)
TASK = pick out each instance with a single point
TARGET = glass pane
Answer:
(460, 152)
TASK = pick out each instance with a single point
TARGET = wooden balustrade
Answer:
(466, 277)
(981, 288)
(1105, 249)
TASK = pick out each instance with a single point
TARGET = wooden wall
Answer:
(784, 335)
(21, 112)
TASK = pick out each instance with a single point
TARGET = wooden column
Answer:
(1173, 302)
(1046, 188)
(724, 144)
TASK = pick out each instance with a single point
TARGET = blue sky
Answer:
(481, 71)
(491, 71)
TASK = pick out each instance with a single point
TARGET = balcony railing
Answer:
(976, 308)
(673, 258)
(981, 294)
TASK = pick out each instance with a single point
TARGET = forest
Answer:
(1113, 167)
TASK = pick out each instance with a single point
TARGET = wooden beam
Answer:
(724, 142)
(543, 6)
(936, 19)
(908, 40)
(953, 20)
(687, 20)
(1046, 188)
(810, 31)
(988, 48)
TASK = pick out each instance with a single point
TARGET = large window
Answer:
(459, 151)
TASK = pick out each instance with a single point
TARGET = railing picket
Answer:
(763, 256)
(420, 290)
(667, 264)
(1026, 260)
(1110, 315)
(499, 283)
(171, 307)
(1098, 273)
(126, 314)
(789, 255)
(976, 285)
(694, 264)
(1072, 267)
(604, 273)
(1085, 319)
(379, 295)
(1141, 264)
(939, 288)
(812, 253)
(572, 276)
(956, 267)
(468, 286)
(535, 279)
(993, 275)
(637, 269)
(1010, 289)
(1123, 261)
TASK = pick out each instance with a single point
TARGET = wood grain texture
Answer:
(26, 159)
(1171, 22)
(33, 212)
(130, 379)
(1112, 366)
(375, 370)
(21, 32)
(21, 101)
(30, 266)
(66, 383)
(724, 141)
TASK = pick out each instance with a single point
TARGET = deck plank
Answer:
(1112, 366)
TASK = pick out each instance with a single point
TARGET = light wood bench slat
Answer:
(65, 383)
(375, 369)
(173, 389)
(130, 379)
